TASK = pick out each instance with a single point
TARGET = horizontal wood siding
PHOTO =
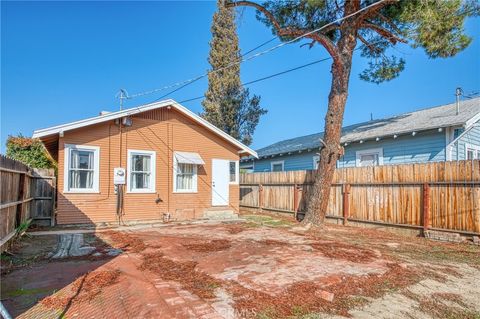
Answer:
(428, 146)
(423, 147)
(472, 137)
(163, 131)
(390, 194)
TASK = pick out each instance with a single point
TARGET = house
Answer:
(429, 135)
(144, 164)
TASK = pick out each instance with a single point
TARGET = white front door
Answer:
(220, 182)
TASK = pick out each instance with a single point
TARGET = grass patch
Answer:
(265, 220)
(26, 292)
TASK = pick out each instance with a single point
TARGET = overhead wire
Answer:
(256, 55)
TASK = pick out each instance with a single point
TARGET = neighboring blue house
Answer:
(429, 135)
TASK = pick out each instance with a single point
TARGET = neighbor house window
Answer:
(81, 168)
(316, 160)
(277, 166)
(233, 172)
(372, 157)
(472, 152)
(141, 171)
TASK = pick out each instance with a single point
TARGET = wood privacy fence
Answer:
(443, 195)
(24, 193)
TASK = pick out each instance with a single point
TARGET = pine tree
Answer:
(378, 25)
(227, 104)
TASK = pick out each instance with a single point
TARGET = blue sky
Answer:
(64, 61)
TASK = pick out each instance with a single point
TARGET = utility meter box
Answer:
(119, 176)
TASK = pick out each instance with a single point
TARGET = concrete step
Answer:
(218, 214)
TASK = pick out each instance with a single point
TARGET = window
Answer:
(185, 165)
(316, 160)
(141, 171)
(277, 166)
(81, 169)
(472, 152)
(233, 172)
(372, 157)
(186, 178)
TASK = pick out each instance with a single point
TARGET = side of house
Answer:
(466, 145)
(173, 165)
(429, 135)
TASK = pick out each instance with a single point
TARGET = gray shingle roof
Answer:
(422, 120)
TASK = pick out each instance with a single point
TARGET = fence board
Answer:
(390, 194)
(24, 193)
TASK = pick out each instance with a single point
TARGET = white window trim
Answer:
(195, 179)
(316, 158)
(153, 169)
(66, 170)
(475, 148)
(378, 151)
(276, 163)
(237, 172)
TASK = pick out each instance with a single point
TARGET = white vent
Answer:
(104, 112)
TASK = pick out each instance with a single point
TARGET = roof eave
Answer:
(112, 116)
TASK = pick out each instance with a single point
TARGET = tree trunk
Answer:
(331, 150)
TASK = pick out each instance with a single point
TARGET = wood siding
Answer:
(163, 131)
(427, 146)
(391, 194)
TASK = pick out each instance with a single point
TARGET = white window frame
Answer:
(276, 163)
(474, 148)
(195, 179)
(378, 151)
(237, 172)
(316, 158)
(96, 168)
(153, 166)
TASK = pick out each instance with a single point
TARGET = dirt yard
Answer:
(262, 268)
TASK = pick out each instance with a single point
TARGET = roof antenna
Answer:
(122, 95)
(458, 93)
(371, 116)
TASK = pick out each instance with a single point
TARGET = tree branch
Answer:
(373, 10)
(294, 32)
(389, 36)
(389, 22)
(366, 43)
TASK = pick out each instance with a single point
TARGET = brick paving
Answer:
(137, 294)
(143, 294)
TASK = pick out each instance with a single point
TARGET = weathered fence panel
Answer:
(443, 195)
(24, 193)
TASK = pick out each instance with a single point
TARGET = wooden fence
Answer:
(443, 195)
(24, 193)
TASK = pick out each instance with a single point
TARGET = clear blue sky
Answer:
(64, 61)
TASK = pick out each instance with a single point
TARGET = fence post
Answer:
(426, 207)
(54, 197)
(295, 200)
(346, 203)
(260, 197)
(20, 197)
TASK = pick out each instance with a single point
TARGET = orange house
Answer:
(154, 162)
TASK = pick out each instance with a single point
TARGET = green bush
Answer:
(29, 151)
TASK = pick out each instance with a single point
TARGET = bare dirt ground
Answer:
(263, 268)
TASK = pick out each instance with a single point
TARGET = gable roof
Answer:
(421, 120)
(54, 130)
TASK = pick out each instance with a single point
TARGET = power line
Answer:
(286, 71)
(268, 76)
(200, 77)
(256, 55)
